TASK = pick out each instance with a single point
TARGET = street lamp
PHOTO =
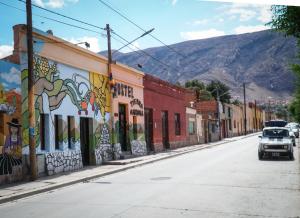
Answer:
(86, 44)
(144, 34)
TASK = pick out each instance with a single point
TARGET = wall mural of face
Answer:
(12, 150)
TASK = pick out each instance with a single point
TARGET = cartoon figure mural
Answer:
(10, 127)
(66, 91)
(12, 151)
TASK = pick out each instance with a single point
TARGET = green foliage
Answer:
(287, 19)
(217, 87)
(205, 95)
(236, 102)
(194, 84)
(200, 89)
(209, 92)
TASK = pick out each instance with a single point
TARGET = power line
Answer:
(126, 18)
(65, 16)
(144, 52)
(52, 19)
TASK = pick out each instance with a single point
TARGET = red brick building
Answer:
(165, 115)
(209, 112)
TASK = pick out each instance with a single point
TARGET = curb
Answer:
(47, 189)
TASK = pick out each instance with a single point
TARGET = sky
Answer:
(173, 20)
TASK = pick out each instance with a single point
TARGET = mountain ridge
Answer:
(260, 59)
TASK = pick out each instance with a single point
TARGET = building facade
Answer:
(74, 106)
(165, 115)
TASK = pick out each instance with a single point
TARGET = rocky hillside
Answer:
(260, 59)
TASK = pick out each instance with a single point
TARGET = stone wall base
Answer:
(138, 148)
(63, 161)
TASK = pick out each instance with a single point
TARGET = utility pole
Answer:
(218, 111)
(111, 85)
(245, 114)
(32, 151)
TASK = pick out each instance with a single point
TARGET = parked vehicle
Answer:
(295, 128)
(292, 135)
(275, 142)
(276, 123)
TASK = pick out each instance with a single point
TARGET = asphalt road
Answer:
(223, 181)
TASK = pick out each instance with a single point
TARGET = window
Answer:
(58, 131)
(71, 132)
(192, 127)
(134, 127)
(44, 131)
(234, 124)
(177, 124)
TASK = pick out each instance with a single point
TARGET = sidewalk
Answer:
(21, 190)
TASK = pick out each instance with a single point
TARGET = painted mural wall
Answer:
(10, 122)
(62, 91)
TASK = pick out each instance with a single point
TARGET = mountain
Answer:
(260, 59)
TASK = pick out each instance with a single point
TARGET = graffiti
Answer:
(10, 129)
(47, 80)
(63, 161)
(86, 91)
(12, 153)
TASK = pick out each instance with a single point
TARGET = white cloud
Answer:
(12, 77)
(243, 11)
(265, 15)
(265, 2)
(5, 50)
(174, 2)
(200, 22)
(246, 12)
(249, 29)
(93, 41)
(202, 34)
(53, 3)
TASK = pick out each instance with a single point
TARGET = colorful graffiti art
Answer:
(10, 114)
(12, 153)
(86, 91)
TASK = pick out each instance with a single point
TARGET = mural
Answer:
(10, 127)
(67, 91)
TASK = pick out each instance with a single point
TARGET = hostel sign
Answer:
(139, 111)
(123, 90)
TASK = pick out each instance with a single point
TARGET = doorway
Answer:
(85, 139)
(123, 127)
(165, 129)
(149, 128)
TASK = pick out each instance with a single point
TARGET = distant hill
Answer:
(260, 59)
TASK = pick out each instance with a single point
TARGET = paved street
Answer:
(223, 181)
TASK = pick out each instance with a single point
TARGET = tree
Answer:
(217, 87)
(199, 88)
(236, 102)
(287, 19)
(194, 84)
